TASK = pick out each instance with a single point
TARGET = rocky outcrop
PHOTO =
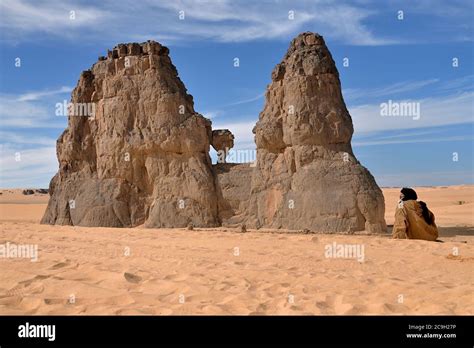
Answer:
(142, 156)
(34, 191)
(136, 153)
(233, 191)
(306, 175)
(222, 142)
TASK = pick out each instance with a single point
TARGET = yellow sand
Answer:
(220, 271)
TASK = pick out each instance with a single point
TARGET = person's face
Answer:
(402, 196)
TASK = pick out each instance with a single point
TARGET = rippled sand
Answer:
(222, 271)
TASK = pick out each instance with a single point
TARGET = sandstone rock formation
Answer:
(306, 175)
(142, 157)
(233, 191)
(222, 142)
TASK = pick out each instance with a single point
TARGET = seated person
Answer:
(413, 219)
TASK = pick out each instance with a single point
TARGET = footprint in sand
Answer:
(459, 258)
(176, 277)
(30, 304)
(223, 286)
(22, 291)
(60, 265)
(132, 278)
(26, 288)
(55, 301)
(38, 277)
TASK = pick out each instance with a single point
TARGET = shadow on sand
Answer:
(447, 231)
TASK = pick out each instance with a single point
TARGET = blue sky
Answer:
(408, 60)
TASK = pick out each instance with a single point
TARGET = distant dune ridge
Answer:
(142, 158)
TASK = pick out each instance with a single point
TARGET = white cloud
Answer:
(242, 130)
(412, 139)
(30, 96)
(224, 20)
(464, 83)
(428, 178)
(35, 109)
(16, 138)
(393, 89)
(246, 101)
(211, 114)
(404, 134)
(35, 167)
(439, 111)
(20, 17)
(450, 9)
(21, 114)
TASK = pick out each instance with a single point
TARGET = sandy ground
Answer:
(221, 271)
(14, 206)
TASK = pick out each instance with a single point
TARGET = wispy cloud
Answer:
(440, 111)
(347, 21)
(223, 21)
(431, 178)
(41, 94)
(413, 139)
(246, 101)
(435, 86)
(33, 165)
(353, 95)
(211, 114)
(34, 109)
(21, 114)
(13, 138)
(20, 18)
(461, 84)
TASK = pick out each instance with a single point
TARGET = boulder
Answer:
(222, 142)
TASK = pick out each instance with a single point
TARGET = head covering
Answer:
(409, 194)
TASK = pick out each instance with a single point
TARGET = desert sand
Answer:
(83, 270)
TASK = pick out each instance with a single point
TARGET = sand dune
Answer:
(221, 271)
